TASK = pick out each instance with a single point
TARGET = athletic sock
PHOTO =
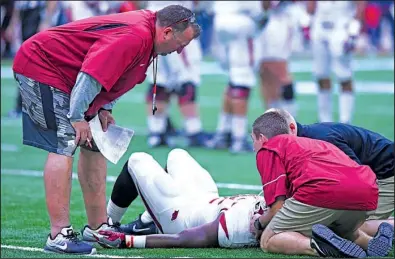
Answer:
(193, 125)
(157, 123)
(239, 127)
(325, 105)
(115, 212)
(224, 123)
(146, 217)
(346, 106)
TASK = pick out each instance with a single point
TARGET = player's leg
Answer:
(385, 208)
(203, 236)
(195, 179)
(161, 195)
(276, 49)
(343, 72)
(242, 79)
(157, 123)
(322, 69)
(44, 111)
(291, 231)
(189, 77)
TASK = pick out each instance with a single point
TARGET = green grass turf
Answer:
(24, 220)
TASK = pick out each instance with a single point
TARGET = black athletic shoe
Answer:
(137, 228)
(328, 244)
(382, 242)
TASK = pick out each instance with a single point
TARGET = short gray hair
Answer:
(272, 123)
(178, 18)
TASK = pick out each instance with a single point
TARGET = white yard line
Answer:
(35, 249)
(111, 179)
(9, 147)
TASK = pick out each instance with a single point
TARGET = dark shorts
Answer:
(44, 117)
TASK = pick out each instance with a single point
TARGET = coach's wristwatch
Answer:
(258, 225)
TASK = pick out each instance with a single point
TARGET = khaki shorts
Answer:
(295, 216)
(385, 206)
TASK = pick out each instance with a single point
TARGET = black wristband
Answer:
(258, 225)
(102, 109)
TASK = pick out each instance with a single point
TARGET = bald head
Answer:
(274, 122)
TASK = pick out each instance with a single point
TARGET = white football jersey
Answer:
(334, 11)
(234, 222)
(249, 8)
(157, 5)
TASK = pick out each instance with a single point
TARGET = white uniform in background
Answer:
(330, 30)
(275, 39)
(328, 35)
(176, 69)
(186, 197)
(81, 10)
(234, 30)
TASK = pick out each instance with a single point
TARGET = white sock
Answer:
(346, 106)
(290, 106)
(325, 105)
(115, 212)
(157, 123)
(274, 104)
(146, 217)
(239, 126)
(224, 122)
(193, 125)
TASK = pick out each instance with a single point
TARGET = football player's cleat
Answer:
(137, 227)
(88, 233)
(240, 146)
(218, 141)
(110, 239)
(382, 243)
(197, 140)
(67, 242)
(328, 244)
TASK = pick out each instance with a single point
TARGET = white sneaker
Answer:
(87, 232)
(67, 242)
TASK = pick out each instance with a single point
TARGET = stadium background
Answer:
(24, 220)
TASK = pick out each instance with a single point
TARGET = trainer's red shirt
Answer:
(316, 173)
(114, 49)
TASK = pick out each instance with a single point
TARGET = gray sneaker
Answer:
(67, 242)
(87, 232)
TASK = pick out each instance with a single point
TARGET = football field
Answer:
(24, 219)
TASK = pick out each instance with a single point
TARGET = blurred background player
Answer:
(335, 26)
(274, 46)
(178, 75)
(31, 17)
(234, 29)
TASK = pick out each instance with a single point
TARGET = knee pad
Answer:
(238, 92)
(161, 93)
(187, 93)
(288, 92)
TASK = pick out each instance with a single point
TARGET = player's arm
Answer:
(306, 19)
(203, 236)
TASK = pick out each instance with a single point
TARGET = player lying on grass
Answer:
(308, 182)
(364, 147)
(181, 201)
(186, 196)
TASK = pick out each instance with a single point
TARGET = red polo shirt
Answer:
(316, 173)
(114, 49)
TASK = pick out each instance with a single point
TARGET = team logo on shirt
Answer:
(174, 215)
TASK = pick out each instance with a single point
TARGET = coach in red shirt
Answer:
(308, 182)
(70, 73)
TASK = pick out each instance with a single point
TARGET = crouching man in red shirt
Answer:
(71, 73)
(317, 196)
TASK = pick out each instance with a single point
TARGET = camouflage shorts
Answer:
(44, 117)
